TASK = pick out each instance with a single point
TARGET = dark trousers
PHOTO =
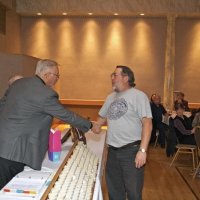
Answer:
(123, 179)
(8, 169)
(161, 128)
(161, 137)
(188, 139)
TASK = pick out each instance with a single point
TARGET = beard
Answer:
(115, 89)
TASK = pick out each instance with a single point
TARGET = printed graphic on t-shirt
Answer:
(117, 109)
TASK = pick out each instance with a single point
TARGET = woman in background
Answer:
(180, 99)
(183, 126)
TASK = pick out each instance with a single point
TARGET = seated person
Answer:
(158, 111)
(180, 99)
(183, 126)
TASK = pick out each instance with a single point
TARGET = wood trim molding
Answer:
(82, 102)
(194, 105)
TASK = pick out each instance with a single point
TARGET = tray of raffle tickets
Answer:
(75, 179)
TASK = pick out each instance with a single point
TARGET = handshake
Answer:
(96, 127)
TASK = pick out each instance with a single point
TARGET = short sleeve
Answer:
(104, 109)
(143, 106)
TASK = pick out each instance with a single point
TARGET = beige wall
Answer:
(10, 42)
(88, 49)
(187, 65)
(8, 67)
(28, 64)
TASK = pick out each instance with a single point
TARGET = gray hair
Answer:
(43, 65)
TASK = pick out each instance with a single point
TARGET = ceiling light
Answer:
(64, 13)
(141, 14)
(116, 14)
(39, 13)
(90, 13)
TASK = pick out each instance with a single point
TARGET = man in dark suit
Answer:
(26, 117)
(158, 111)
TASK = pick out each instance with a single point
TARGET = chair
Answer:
(186, 149)
(197, 139)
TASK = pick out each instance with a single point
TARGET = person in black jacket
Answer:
(183, 126)
(158, 111)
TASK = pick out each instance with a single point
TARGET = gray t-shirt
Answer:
(124, 112)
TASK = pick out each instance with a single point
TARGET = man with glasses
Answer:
(26, 117)
(128, 114)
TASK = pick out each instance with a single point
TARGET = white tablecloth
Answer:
(94, 143)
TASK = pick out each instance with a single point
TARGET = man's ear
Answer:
(126, 79)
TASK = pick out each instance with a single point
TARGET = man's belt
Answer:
(136, 143)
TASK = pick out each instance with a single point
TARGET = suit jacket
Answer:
(25, 120)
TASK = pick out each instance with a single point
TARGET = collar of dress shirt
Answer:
(40, 79)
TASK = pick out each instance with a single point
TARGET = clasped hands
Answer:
(96, 128)
(193, 130)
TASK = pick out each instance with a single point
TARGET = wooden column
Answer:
(169, 64)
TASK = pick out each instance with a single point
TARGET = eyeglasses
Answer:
(115, 75)
(57, 75)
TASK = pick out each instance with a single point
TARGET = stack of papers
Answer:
(25, 184)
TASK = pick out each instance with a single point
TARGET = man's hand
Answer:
(140, 159)
(96, 128)
(97, 125)
(193, 130)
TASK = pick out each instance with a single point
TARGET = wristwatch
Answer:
(142, 150)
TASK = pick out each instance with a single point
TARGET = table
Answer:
(95, 143)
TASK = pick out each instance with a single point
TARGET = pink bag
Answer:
(54, 149)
